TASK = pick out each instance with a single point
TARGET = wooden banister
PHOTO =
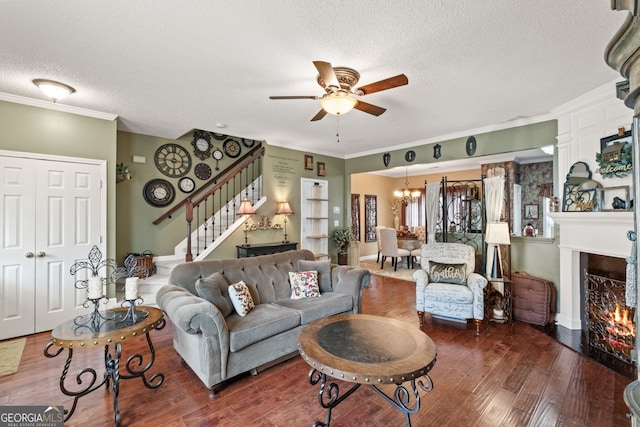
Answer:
(235, 166)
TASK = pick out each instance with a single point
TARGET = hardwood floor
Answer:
(500, 378)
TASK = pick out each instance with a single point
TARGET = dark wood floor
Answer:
(500, 378)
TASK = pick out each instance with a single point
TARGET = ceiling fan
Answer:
(339, 85)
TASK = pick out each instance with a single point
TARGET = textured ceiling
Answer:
(167, 67)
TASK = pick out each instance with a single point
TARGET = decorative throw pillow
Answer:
(455, 274)
(324, 272)
(304, 284)
(241, 298)
(212, 289)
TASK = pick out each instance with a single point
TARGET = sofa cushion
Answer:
(241, 298)
(323, 268)
(310, 309)
(264, 321)
(304, 284)
(213, 288)
(449, 293)
(455, 274)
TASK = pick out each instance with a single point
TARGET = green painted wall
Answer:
(39, 130)
(282, 170)
(496, 142)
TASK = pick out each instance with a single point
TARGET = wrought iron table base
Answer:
(111, 376)
(401, 399)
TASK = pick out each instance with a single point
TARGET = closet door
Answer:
(51, 217)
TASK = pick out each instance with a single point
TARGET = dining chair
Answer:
(389, 247)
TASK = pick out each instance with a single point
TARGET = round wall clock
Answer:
(201, 144)
(410, 156)
(471, 146)
(186, 184)
(231, 148)
(202, 171)
(172, 160)
(248, 142)
(219, 136)
(158, 192)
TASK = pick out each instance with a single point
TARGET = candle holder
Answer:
(132, 314)
(97, 319)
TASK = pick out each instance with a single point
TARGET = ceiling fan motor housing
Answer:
(347, 77)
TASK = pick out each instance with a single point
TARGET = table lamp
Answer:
(497, 234)
(246, 209)
(284, 209)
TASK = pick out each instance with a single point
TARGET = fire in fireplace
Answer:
(608, 325)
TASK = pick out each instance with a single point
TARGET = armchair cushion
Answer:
(455, 274)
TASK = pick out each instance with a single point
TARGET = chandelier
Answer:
(405, 195)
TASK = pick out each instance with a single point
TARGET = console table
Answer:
(265, 249)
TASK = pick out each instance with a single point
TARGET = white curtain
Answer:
(432, 197)
(494, 199)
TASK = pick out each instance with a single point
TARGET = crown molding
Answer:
(57, 107)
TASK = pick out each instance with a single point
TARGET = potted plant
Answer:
(342, 238)
(122, 173)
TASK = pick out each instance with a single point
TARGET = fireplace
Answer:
(608, 330)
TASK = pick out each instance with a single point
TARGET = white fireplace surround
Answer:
(603, 233)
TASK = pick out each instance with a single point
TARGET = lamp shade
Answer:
(337, 103)
(498, 233)
(246, 208)
(284, 209)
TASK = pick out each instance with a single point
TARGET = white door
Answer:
(51, 217)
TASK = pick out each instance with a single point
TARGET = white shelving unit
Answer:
(314, 229)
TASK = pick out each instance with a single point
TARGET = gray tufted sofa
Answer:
(217, 343)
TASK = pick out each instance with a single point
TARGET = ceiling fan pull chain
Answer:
(338, 129)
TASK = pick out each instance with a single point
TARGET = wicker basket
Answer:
(145, 260)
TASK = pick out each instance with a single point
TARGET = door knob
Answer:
(29, 255)
(41, 254)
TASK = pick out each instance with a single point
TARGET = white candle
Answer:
(95, 287)
(131, 288)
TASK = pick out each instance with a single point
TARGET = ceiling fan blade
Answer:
(391, 82)
(369, 108)
(319, 116)
(327, 74)
(295, 97)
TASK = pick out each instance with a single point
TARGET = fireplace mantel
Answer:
(603, 233)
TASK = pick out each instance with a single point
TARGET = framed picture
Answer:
(370, 217)
(308, 162)
(530, 211)
(321, 169)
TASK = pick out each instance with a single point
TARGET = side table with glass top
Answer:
(111, 327)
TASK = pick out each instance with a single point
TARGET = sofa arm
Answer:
(195, 315)
(350, 281)
(477, 283)
(422, 280)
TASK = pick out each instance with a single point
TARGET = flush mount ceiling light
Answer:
(54, 90)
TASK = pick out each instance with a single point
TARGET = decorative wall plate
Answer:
(436, 151)
(471, 146)
(410, 156)
(158, 192)
(386, 159)
(231, 148)
(172, 160)
(202, 171)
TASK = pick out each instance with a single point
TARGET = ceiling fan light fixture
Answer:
(54, 90)
(338, 103)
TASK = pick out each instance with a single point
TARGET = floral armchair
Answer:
(446, 285)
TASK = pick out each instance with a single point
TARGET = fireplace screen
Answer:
(610, 322)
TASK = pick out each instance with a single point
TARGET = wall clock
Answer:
(158, 192)
(172, 160)
(186, 184)
(471, 146)
(202, 171)
(231, 148)
(219, 136)
(410, 156)
(201, 144)
(217, 155)
(248, 142)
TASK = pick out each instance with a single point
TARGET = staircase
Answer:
(211, 230)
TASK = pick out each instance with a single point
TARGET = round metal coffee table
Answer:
(371, 350)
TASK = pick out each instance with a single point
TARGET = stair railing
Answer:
(215, 211)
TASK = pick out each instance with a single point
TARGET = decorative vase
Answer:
(343, 258)
(396, 222)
